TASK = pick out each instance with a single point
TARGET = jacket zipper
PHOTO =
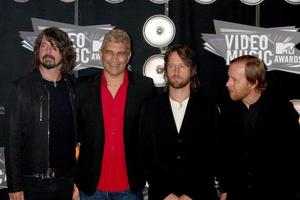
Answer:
(41, 108)
(48, 131)
(48, 121)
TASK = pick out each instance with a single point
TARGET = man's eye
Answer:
(54, 47)
(122, 54)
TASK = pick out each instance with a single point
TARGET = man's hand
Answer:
(223, 196)
(171, 197)
(184, 197)
(75, 193)
(16, 195)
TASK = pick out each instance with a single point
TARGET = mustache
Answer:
(48, 56)
(175, 76)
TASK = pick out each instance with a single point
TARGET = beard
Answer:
(178, 83)
(48, 62)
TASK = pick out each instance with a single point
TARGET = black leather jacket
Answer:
(27, 148)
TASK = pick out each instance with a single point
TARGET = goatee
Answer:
(49, 65)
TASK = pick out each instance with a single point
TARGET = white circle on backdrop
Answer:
(205, 1)
(159, 30)
(154, 68)
(67, 1)
(252, 2)
(159, 1)
(295, 2)
(21, 1)
(114, 1)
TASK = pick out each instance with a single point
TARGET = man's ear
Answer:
(254, 85)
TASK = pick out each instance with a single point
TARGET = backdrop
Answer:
(190, 18)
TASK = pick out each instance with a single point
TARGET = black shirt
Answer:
(61, 140)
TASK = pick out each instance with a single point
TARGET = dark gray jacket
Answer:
(26, 148)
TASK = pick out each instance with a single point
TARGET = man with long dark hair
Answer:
(40, 145)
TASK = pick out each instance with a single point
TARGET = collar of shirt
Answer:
(178, 110)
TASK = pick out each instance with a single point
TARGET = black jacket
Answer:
(184, 162)
(27, 149)
(262, 163)
(91, 130)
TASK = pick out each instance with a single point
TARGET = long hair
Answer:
(188, 57)
(255, 70)
(60, 39)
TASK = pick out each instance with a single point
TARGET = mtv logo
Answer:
(96, 45)
(285, 48)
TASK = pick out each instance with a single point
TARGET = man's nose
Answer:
(48, 49)
(115, 57)
(177, 69)
(228, 83)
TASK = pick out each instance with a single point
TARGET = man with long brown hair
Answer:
(177, 134)
(40, 146)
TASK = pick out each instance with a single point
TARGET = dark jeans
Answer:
(100, 195)
(3, 194)
(60, 188)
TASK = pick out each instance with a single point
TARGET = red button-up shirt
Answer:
(113, 175)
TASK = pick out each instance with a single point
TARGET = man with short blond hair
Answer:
(260, 136)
